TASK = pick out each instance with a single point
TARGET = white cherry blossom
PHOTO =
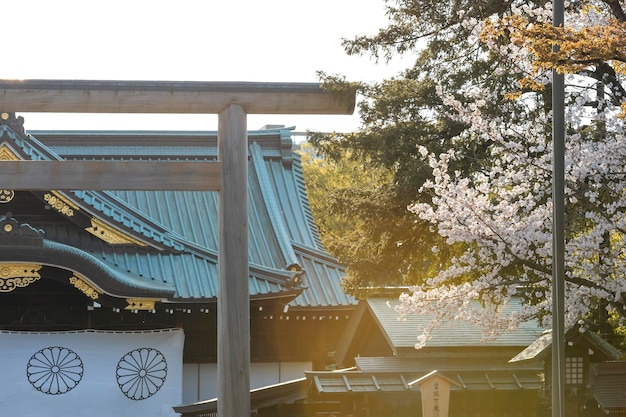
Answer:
(503, 215)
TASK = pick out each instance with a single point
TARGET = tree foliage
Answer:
(465, 136)
(398, 115)
(355, 203)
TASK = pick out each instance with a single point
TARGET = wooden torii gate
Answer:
(232, 101)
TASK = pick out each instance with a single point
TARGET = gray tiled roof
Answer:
(608, 380)
(443, 363)
(403, 334)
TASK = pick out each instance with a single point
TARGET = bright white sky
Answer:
(188, 40)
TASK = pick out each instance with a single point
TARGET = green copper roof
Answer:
(177, 231)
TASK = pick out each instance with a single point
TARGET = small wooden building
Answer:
(595, 378)
(141, 261)
(386, 375)
(380, 372)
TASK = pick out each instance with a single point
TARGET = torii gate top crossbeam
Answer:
(190, 97)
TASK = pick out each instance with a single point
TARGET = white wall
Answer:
(200, 379)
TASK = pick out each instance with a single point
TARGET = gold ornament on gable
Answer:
(14, 276)
(140, 304)
(7, 154)
(85, 287)
(111, 235)
(60, 203)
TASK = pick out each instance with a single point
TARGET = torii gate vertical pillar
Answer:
(233, 329)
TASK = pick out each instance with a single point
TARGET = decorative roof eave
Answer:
(20, 243)
(23, 243)
(281, 297)
(289, 278)
(11, 128)
(142, 231)
(285, 295)
(419, 381)
(346, 382)
(111, 281)
(65, 205)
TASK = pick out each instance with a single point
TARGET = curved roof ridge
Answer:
(134, 222)
(32, 148)
(35, 150)
(130, 218)
(317, 253)
(23, 243)
(306, 207)
(269, 199)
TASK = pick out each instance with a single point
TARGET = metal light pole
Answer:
(558, 229)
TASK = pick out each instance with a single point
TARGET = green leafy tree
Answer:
(469, 126)
(354, 203)
(391, 246)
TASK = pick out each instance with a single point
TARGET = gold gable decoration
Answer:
(85, 287)
(60, 203)
(140, 304)
(6, 154)
(6, 196)
(110, 235)
(14, 276)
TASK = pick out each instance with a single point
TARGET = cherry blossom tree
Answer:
(500, 217)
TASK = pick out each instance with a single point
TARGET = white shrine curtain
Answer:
(91, 373)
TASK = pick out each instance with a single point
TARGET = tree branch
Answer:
(606, 73)
(616, 9)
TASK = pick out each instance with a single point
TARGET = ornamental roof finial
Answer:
(16, 123)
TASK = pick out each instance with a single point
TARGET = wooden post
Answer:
(233, 329)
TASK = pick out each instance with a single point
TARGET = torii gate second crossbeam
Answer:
(232, 102)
